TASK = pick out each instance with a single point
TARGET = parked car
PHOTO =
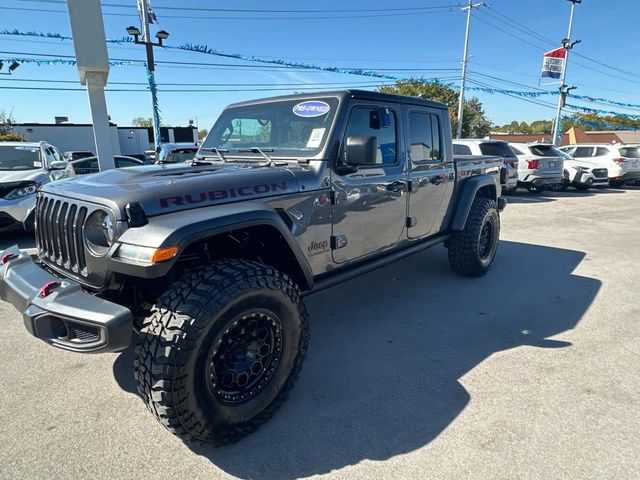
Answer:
(621, 161)
(90, 164)
(492, 147)
(176, 152)
(209, 263)
(149, 157)
(24, 167)
(582, 174)
(540, 165)
(73, 155)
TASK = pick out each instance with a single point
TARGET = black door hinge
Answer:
(411, 222)
(332, 197)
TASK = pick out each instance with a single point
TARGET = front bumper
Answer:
(17, 210)
(62, 314)
(587, 178)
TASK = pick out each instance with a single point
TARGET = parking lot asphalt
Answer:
(529, 372)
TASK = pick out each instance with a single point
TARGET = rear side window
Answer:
(516, 150)
(496, 149)
(461, 149)
(583, 152)
(601, 151)
(543, 150)
(630, 152)
(424, 137)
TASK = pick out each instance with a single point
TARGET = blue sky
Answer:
(430, 43)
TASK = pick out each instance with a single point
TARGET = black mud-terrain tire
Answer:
(469, 255)
(179, 340)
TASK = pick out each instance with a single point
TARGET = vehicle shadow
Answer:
(18, 237)
(387, 352)
(546, 196)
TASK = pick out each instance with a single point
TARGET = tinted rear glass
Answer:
(630, 152)
(496, 149)
(461, 149)
(544, 151)
(583, 152)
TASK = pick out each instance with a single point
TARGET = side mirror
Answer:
(58, 165)
(361, 150)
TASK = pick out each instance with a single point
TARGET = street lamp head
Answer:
(162, 35)
(133, 31)
(13, 66)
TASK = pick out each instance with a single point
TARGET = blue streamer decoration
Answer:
(598, 124)
(156, 109)
(60, 61)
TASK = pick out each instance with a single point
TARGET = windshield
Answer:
(180, 155)
(20, 158)
(630, 152)
(293, 128)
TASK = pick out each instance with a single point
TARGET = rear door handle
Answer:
(397, 186)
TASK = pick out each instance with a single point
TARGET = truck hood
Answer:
(170, 188)
(13, 176)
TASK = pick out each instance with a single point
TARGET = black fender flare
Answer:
(184, 228)
(466, 195)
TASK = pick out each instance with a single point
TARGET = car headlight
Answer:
(23, 191)
(581, 169)
(99, 232)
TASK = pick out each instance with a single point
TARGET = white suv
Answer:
(582, 174)
(493, 148)
(621, 161)
(540, 165)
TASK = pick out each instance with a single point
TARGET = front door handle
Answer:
(437, 179)
(397, 186)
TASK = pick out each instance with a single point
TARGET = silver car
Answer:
(23, 168)
(540, 165)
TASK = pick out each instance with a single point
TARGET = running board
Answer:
(328, 280)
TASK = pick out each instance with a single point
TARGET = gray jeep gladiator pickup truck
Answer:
(207, 264)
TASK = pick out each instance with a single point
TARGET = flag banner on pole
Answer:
(151, 16)
(553, 64)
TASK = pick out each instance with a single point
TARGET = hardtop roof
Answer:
(344, 94)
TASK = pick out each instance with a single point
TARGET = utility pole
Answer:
(465, 60)
(145, 10)
(564, 90)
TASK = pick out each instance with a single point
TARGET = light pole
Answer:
(146, 41)
(567, 45)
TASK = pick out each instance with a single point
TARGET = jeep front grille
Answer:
(59, 234)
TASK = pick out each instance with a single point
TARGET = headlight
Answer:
(24, 191)
(581, 169)
(99, 232)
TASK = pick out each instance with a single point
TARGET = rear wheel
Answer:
(221, 349)
(472, 250)
(559, 187)
(535, 189)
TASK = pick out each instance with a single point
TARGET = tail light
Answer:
(619, 161)
(533, 164)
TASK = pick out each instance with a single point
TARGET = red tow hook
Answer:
(6, 257)
(47, 287)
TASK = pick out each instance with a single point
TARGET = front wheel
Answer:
(221, 349)
(559, 187)
(472, 250)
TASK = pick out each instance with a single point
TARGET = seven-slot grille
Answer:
(600, 173)
(59, 234)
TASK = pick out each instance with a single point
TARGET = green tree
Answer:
(202, 133)
(142, 122)
(7, 133)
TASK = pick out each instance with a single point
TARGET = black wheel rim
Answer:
(245, 356)
(486, 240)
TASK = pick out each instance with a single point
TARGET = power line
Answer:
(253, 10)
(190, 90)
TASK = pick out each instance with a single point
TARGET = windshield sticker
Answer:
(315, 139)
(313, 108)
(37, 164)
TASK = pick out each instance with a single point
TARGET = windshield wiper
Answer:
(261, 151)
(217, 151)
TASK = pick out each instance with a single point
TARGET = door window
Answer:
(424, 137)
(601, 151)
(365, 121)
(582, 152)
